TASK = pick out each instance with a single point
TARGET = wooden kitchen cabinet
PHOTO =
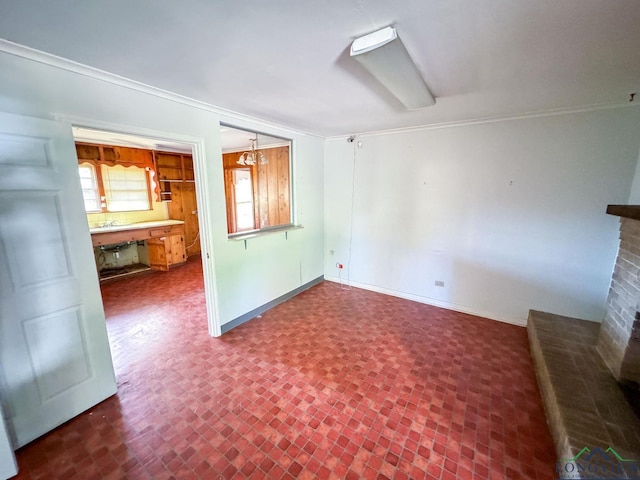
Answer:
(174, 167)
(166, 252)
(165, 240)
(88, 152)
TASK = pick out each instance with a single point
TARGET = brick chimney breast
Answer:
(619, 339)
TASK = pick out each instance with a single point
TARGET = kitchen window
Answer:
(90, 191)
(126, 189)
(116, 179)
(114, 188)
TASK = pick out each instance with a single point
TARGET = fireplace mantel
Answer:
(626, 211)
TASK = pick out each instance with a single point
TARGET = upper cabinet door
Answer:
(55, 360)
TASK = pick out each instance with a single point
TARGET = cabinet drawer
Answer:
(168, 230)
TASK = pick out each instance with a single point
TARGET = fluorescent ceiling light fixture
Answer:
(386, 58)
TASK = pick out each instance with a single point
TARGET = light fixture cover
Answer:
(386, 58)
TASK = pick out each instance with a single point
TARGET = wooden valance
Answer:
(109, 155)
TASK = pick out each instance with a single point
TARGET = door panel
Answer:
(181, 207)
(191, 226)
(31, 231)
(23, 151)
(55, 360)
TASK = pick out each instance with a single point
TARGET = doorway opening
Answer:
(142, 211)
(140, 198)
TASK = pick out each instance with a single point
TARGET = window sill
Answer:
(265, 231)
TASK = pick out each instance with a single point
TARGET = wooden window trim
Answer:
(147, 171)
(101, 191)
(231, 200)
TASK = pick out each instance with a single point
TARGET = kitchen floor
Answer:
(335, 383)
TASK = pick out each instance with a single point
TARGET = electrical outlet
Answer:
(439, 283)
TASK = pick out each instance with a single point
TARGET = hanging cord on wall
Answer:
(353, 194)
(194, 241)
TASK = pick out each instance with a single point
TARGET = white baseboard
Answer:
(521, 322)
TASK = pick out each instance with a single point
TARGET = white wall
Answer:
(271, 265)
(634, 196)
(510, 215)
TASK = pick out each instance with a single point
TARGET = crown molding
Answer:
(490, 119)
(62, 63)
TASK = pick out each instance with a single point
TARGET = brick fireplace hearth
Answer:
(589, 373)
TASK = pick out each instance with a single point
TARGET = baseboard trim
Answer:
(269, 305)
(431, 301)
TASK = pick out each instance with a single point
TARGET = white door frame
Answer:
(203, 200)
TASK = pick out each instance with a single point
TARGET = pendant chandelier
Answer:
(253, 156)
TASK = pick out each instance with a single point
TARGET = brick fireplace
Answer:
(589, 372)
(619, 338)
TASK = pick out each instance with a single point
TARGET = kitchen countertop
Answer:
(135, 226)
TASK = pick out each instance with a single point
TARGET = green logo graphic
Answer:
(597, 450)
(598, 464)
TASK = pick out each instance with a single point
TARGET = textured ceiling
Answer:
(288, 61)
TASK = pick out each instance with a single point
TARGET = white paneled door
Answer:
(55, 360)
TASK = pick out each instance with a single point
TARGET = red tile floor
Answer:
(335, 383)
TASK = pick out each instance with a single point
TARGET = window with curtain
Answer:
(115, 188)
(126, 189)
